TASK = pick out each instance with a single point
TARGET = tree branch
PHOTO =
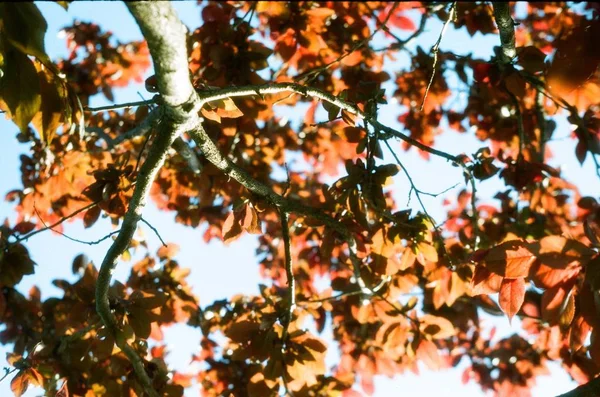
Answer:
(120, 105)
(435, 49)
(291, 304)
(166, 37)
(506, 26)
(146, 175)
(52, 226)
(275, 88)
(212, 154)
(142, 129)
(188, 155)
(590, 389)
(167, 40)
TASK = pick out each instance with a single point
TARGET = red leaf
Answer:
(24, 227)
(515, 83)
(91, 216)
(402, 22)
(512, 295)
(581, 151)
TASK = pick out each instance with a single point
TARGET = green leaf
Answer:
(20, 89)
(25, 28)
(53, 104)
(64, 4)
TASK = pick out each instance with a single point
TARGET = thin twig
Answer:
(401, 44)
(154, 230)
(51, 227)
(275, 88)
(7, 371)
(120, 105)
(313, 74)
(109, 235)
(289, 271)
(94, 242)
(288, 182)
(520, 127)
(435, 50)
(142, 129)
(541, 123)
(436, 227)
(332, 298)
(250, 11)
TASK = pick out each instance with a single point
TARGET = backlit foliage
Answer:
(530, 252)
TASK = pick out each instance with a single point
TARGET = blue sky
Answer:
(214, 264)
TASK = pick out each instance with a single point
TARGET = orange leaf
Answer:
(511, 259)
(168, 252)
(579, 333)
(426, 253)
(428, 353)
(559, 252)
(555, 302)
(512, 295)
(251, 223)
(19, 383)
(231, 228)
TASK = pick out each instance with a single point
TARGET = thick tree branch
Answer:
(146, 175)
(590, 389)
(506, 26)
(188, 155)
(166, 38)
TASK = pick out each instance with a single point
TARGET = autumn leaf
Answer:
(19, 383)
(428, 353)
(560, 252)
(25, 28)
(512, 296)
(511, 259)
(558, 305)
(531, 59)
(53, 105)
(485, 282)
(231, 228)
(20, 88)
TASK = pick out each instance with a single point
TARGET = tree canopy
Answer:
(211, 147)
